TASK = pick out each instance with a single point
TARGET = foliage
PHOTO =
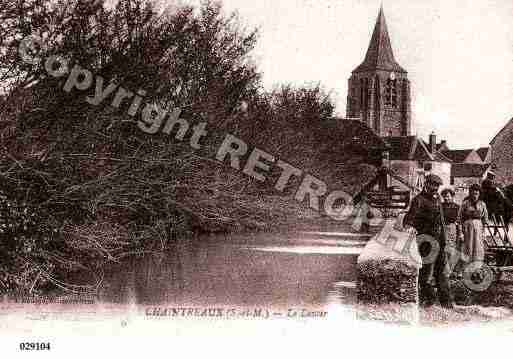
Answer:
(83, 185)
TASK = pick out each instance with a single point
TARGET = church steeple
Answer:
(380, 55)
(379, 89)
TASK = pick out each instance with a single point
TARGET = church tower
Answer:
(379, 89)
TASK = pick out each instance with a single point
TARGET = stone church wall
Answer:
(502, 155)
(392, 125)
(372, 109)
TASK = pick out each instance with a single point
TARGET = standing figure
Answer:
(453, 232)
(473, 214)
(364, 213)
(493, 197)
(424, 216)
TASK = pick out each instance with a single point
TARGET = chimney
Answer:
(432, 142)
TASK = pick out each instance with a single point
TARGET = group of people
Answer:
(455, 232)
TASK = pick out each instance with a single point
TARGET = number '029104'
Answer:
(34, 346)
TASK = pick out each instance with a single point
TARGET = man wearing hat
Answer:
(425, 217)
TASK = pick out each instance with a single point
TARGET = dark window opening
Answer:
(364, 88)
(391, 93)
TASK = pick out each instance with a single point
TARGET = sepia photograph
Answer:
(245, 178)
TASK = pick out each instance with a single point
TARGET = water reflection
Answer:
(239, 271)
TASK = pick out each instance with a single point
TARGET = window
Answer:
(391, 93)
(364, 86)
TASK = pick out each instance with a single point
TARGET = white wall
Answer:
(443, 170)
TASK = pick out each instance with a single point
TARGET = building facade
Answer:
(379, 95)
(502, 154)
(411, 159)
(379, 90)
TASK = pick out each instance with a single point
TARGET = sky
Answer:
(458, 54)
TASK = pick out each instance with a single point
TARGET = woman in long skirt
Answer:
(473, 215)
(453, 231)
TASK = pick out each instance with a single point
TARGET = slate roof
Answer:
(408, 148)
(457, 156)
(351, 132)
(469, 169)
(442, 147)
(344, 140)
(483, 152)
(379, 54)
(439, 156)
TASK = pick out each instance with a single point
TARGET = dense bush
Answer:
(83, 185)
(25, 233)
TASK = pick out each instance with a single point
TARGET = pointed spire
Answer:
(379, 54)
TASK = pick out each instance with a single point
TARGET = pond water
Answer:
(309, 269)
